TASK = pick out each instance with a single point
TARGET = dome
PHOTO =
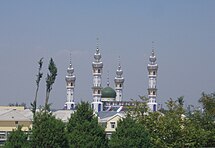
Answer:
(108, 92)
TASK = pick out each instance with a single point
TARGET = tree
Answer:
(174, 129)
(48, 131)
(50, 79)
(17, 139)
(130, 133)
(208, 103)
(39, 76)
(84, 130)
(207, 118)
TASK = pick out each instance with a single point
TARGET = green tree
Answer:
(130, 133)
(208, 103)
(174, 129)
(39, 76)
(84, 130)
(50, 79)
(48, 132)
(17, 139)
(207, 118)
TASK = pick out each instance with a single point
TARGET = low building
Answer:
(109, 121)
(11, 118)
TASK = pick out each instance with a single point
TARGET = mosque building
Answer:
(107, 98)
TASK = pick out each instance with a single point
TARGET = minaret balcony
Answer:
(97, 64)
(69, 87)
(97, 74)
(152, 76)
(152, 67)
(119, 80)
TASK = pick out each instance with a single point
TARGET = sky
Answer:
(183, 33)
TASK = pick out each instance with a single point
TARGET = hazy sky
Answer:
(183, 32)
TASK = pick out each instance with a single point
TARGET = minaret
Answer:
(70, 85)
(152, 89)
(119, 80)
(97, 65)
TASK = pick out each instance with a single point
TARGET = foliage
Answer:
(48, 131)
(17, 139)
(18, 104)
(130, 133)
(208, 103)
(140, 108)
(174, 129)
(50, 79)
(207, 118)
(84, 130)
(39, 76)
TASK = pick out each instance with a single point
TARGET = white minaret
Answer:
(119, 80)
(152, 89)
(97, 65)
(70, 85)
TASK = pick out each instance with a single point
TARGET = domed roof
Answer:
(108, 92)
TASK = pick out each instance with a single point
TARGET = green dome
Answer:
(108, 92)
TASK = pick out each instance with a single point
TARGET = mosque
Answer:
(107, 98)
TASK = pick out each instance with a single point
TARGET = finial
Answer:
(153, 52)
(70, 56)
(108, 83)
(97, 43)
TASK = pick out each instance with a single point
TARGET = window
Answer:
(153, 72)
(16, 122)
(153, 92)
(112, 124)
(98, 91)
(2, 135)
(99, 70)
(99, 107)
(154, 108)
(120, 85)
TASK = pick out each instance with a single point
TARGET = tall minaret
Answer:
(119, 80)
(70, 85)
(152, 89)
(97, 65)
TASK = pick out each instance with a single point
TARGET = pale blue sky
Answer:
(183, 32)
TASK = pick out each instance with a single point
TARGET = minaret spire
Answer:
(108, 82)
(70, 85)
(97, 80)
(119, 80)
(152, 88)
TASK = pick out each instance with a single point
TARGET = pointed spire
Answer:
(108, 82)
(152, 58)
(70, 60)
(153, 50)
(119, 71)
(119, 67)
(70, 69)
(97, 55)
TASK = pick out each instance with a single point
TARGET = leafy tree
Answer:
(50, 79)
(207, 118)
(17, 139)
(174, 129)
(130, 133)
(208, 103)
(48, 132)
(84, 130)
(39, 76)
